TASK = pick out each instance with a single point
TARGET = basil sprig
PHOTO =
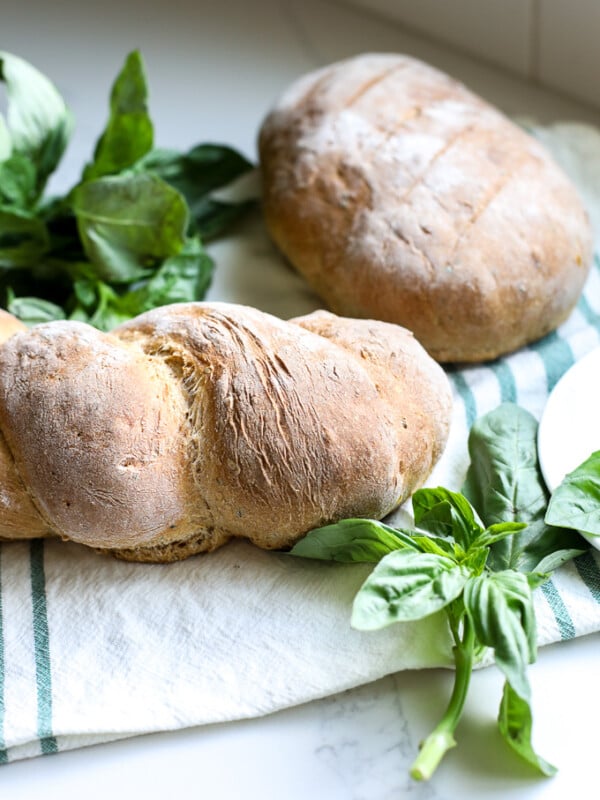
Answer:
(476, 557)
(130, 234)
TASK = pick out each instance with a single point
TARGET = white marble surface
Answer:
(214, 68)
(355, 746)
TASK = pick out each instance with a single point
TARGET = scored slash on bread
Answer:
(199, 422)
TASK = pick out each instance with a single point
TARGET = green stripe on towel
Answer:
(41, 639)
(591, 317)
(559, 609)
(589, 573)
(557, 356)
(506, 380)
(466, 395)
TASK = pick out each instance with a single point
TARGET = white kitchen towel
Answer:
(93, 649)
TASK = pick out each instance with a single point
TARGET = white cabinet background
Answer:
(552, 42)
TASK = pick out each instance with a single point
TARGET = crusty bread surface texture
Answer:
(196, 423)
(402, 196)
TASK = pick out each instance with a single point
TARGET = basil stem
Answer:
(441, 739)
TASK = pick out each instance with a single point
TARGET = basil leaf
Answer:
(181, 278)
(196, 174)
(576, 502)
(499, 531)
(407, 585)
(212, 217)
(515, 724)
(476, 559)
(18, 182)
(129, 133)
(434, 544)
(34, 310)
(556, 559)
(5, 140)
(351, 540)
(128, 224)
(39, 123)
(504, 483)
(99, 305)
(23, 238)
(535, 579)
(500, 607)
(446, 513)
(199, 171)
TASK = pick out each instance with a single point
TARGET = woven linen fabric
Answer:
(93, 649)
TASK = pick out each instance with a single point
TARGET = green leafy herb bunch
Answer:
(476, 557)
(129, 236)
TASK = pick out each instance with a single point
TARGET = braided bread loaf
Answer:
(195, 423)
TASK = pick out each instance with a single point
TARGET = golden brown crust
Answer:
(9, 325)
(101, 444)
(199, 422)
(402, 196)
(19, 517)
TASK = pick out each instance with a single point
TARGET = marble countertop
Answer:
(357, 745)
(214, 68)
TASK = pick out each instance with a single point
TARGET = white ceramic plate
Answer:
(569, 431)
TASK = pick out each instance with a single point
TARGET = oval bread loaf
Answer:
(402, 196)
(195, 423)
